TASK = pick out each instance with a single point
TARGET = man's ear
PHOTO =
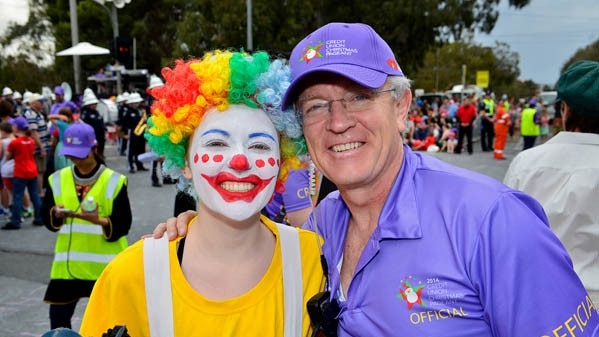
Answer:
(402, 106)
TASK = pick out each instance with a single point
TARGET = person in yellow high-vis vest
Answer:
(87, 238)
(529, 125)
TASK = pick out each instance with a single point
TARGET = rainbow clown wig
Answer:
(218, 79)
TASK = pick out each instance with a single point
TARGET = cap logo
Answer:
(393, 64)
(73, 140)
(311, 52)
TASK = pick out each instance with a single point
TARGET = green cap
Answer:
(579, 87)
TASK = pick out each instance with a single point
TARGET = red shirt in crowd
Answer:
(466, 113)
(22, 149)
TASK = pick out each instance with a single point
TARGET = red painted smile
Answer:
(232, 188)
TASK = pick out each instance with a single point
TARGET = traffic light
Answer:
(122, 49)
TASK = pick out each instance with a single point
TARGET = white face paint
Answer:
(234, 161)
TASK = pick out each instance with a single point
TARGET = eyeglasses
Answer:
(313, 110)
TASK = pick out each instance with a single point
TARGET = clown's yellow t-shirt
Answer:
(119, 297)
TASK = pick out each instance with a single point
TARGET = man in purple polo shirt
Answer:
(404, 258)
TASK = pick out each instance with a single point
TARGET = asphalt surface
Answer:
(26, 254)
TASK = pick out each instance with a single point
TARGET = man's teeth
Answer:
(236, 187)
(345, 147)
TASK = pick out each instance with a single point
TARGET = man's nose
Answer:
(239, 162)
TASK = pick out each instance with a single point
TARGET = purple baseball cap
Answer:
(78, 140)
(58, 90)
(532, 102)
(19, 122)
(352, 50)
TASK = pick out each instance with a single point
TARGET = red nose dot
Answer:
(205, 158)
(271, 161)
(218, 158)
(260, 163)
(239, 162)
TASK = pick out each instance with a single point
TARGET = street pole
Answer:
(114, 21)
(250, 43)
(115, 33)
(75, 40)
(463, 80)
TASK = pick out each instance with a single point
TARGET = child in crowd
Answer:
(452, 141)
(449, 139)
(21, 149)
(6, 166)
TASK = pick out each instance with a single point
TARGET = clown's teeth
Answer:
(237, 187)
(345, 147)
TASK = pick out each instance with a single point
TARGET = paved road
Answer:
(26, 254)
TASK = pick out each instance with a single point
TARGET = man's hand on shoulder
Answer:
(174, 227)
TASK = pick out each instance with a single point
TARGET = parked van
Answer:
(459, 90)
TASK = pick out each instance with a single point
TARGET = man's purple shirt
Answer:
(455, 253)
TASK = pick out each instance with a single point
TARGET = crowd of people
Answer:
(444, 124)
(55, 113)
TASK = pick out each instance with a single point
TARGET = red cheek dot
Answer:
(271, 161)
(205, 158)
(218, 158)
(260, 163)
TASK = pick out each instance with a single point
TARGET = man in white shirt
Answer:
(563, 173)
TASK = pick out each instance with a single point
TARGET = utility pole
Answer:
(114, 21)
(75, 40)
(250, 42)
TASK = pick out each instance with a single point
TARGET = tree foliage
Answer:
(590, 52)
(170, 29)
(443, 66)
(25, 63)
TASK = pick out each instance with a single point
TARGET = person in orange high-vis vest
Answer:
(502, 122)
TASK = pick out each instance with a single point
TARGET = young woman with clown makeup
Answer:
(219, 120)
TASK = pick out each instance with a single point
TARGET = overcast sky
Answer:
(545, 34)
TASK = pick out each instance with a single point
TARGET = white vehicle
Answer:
(459, 90)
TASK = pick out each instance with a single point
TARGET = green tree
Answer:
(25, 60)
(590, 52)
(413, 27)
(169, 29)
(443, 66)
